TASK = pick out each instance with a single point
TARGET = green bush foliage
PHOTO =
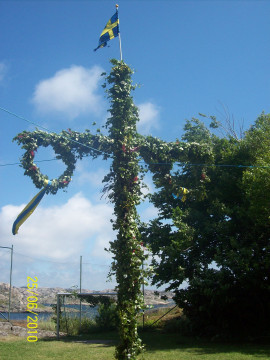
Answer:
(107, 318)
(217, 241)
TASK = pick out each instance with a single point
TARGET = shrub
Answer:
(107, 318)
(47, 325)
(181, 325)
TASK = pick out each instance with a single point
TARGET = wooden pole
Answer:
(119, 36)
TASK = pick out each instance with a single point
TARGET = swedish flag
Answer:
(110, 31)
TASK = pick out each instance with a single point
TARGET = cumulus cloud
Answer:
(51, 240)
(60, 232)
(71, 91)
(149, 117)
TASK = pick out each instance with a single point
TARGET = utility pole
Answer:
(10, 276)
(80, 290)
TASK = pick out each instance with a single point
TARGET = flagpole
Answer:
(119, 36)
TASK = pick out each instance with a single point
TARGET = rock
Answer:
(19, 297)
(7, 329)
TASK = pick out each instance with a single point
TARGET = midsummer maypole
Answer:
(123, 186)
(124, 191)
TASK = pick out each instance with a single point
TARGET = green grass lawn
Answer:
(159, 346)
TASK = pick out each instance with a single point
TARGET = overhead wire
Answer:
(58, 262)
(164, 163)
(102, 152)
(52, 132)
(18, 163)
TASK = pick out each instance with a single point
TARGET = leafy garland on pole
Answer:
(123, 185)
(68, 146)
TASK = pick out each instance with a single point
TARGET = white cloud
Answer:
(148, 181)
(92, 177)
(59, 232)
(71, 91)
(3, 71)
(51, 240)
(149, 117)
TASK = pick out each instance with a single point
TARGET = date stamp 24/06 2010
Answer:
(32, 321)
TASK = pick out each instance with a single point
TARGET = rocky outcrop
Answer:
(47, 296)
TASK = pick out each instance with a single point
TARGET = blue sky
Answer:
(189, 57)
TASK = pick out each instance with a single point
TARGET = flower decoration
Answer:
(135, 149)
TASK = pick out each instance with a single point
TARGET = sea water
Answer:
(69, 309)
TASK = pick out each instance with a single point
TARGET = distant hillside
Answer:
(47, 296)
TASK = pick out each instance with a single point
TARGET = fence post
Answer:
(57, 312)
(10, 278)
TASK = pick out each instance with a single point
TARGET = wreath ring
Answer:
(61, 146)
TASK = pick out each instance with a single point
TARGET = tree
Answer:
(218, 239)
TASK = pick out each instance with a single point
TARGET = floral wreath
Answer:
(61, 146)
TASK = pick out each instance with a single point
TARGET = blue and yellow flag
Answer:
(29, 209)
(181, 194)
(110, 31)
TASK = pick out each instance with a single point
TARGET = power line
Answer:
(23, 118)
(177, 163)
(213, 165)
(42, 127)
(102, 265)
(141, 161)
(44, 260)
(18, 163)
(58, 262)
